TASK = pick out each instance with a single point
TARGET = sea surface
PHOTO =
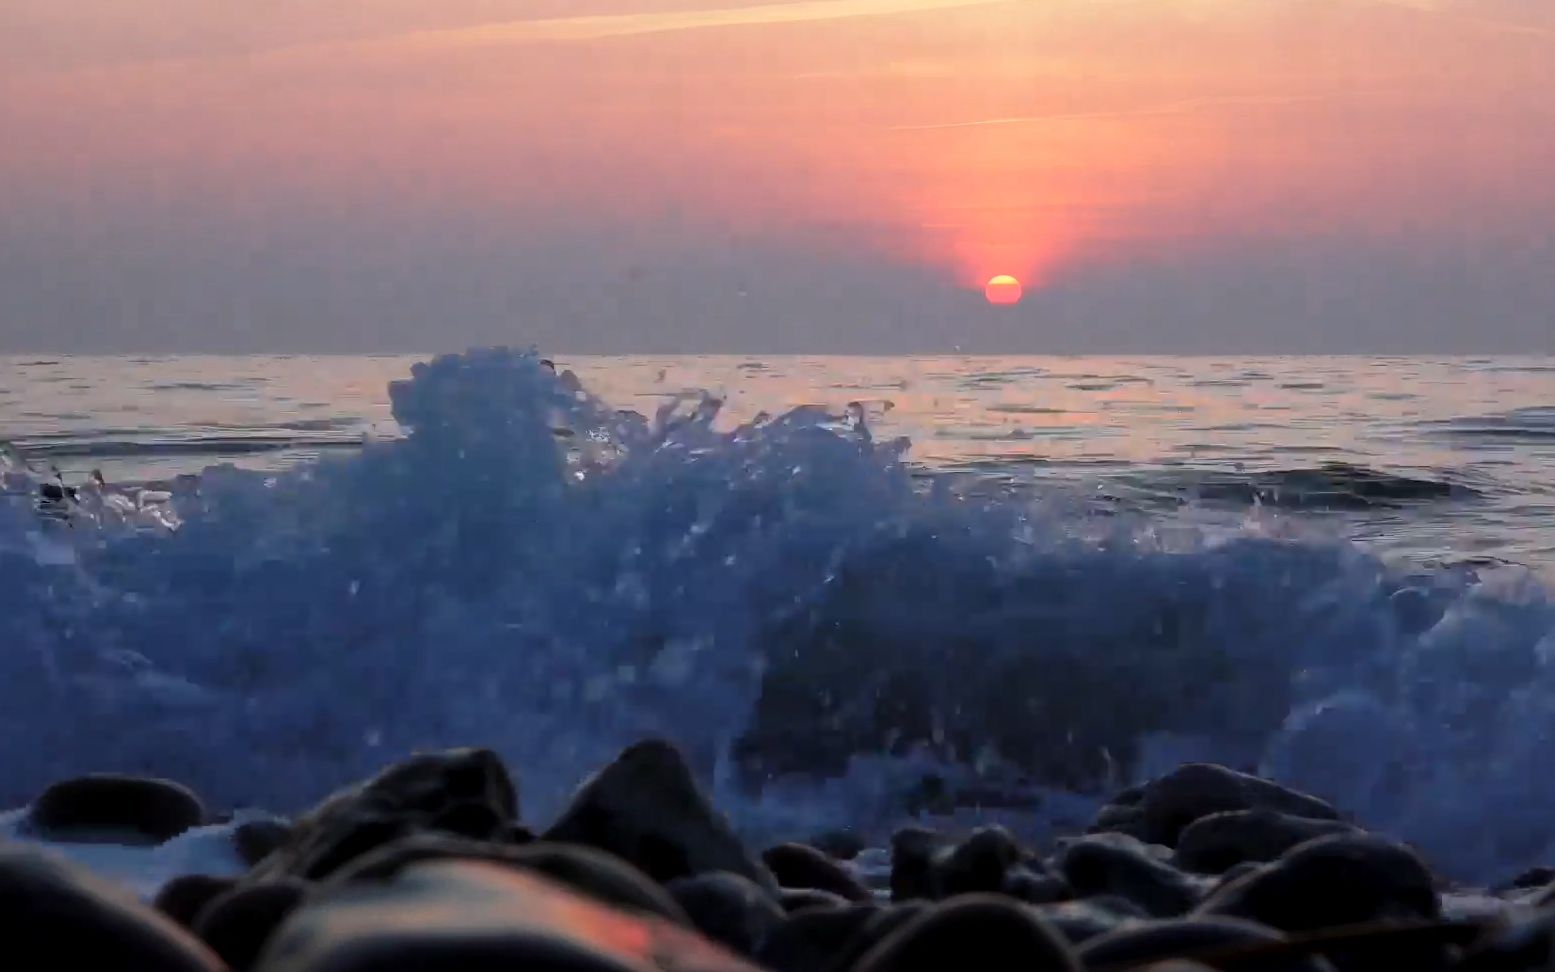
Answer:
(827, 578)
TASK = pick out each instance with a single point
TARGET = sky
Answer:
(675, 176)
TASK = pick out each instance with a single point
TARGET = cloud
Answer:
(601, 26)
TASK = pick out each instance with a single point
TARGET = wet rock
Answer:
(256, 840)
(1159, 811)
(978, 864)
(585, 870)
(237, 924)
(109, 805)
(985, 932)
(1338, 880)
(477, 917)
(1119, 864)
(645, 808)
(182, 898)
(419, 794)
(1523, 946)
(66, 919)
(1159, 941)
(727, 908)
(914, 851)
(1027, 885)
(1534, 877)
(842, 845)
(1220, 841)
(1080, 921)
(819, 940)
(794, 900)
(798, 866)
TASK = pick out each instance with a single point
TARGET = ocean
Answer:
(828, 579)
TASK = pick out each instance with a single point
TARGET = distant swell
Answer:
(810, 621)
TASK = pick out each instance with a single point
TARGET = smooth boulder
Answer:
(426, 792)
(114, 806)
(238, 924)
(799, 866)
(67, 919)
(1160, 810)
(983, 932)
(727, 908)
(1220, 841)
(479, 917)
(1100, 864)
(646, 808)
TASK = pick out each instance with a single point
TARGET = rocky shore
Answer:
(430, 866)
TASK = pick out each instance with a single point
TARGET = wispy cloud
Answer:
(1449, 12)
(597, 27)
(1184, 107)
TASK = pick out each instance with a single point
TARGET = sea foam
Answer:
(531, 569)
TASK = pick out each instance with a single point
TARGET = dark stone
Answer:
(1523, 946)
(1534, 877)
(152, 809)
(1033, 888)
(914, 851)
(584, 870)
(237, 924)
(1118, 864)
(646, 808)
(798, 866)
(419, 794)
(842, 845)
(1080, 921)
(1219, 841)
(518, 834)
(793, 899)
(477, 917)
(727, 908)
(1159, 941)
(182, 898)
(818, 939)
(56, 914)
(1339, 880)
(984, 932)
(256, 840)
(978, 864)
(1158, 812)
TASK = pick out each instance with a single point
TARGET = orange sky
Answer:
(970, 137)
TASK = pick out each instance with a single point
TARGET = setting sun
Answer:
(1003, 290)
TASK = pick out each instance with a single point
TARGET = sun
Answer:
(1003, 291)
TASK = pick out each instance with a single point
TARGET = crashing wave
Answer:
(532, 569)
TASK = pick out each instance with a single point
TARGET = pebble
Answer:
(114, 806)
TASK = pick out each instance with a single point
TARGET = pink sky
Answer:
(1051, 139)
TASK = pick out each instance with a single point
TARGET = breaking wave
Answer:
(821, 630)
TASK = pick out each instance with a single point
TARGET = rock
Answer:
(1339, 880)
(1119, 864)
(1159, 941)
(914, 851)
(1026, 885)
(584, 870)
(727, 908)
(978, 864)
(1080, 921)
(256, 840)
(800, 867)
(645, 808)
(1220, 841)
(237, 924)
(1158, 812)
(985, 932)
(419, 794)
(819, 940)
(1533, 877)
(794, 900)
(842, 845)
(57, 914)
(109, 805)
(479, 917)
(182, 898)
